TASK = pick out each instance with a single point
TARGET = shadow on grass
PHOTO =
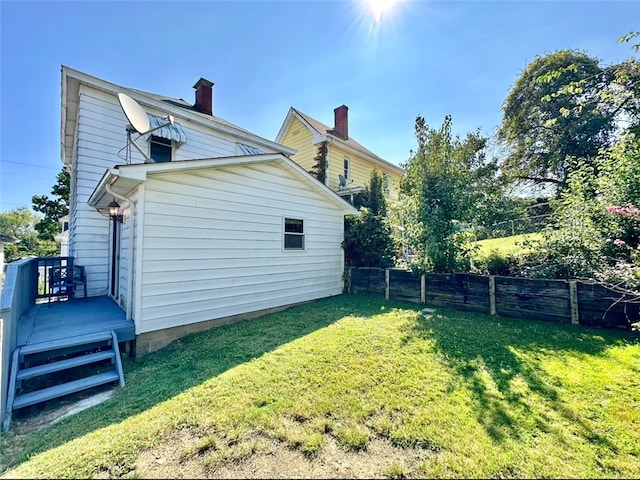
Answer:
(184, 364)
(497, 359)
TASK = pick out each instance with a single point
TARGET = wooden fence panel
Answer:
(368, 280)
(535, 299)
(458, 290)
(603, 307)
(404, 285)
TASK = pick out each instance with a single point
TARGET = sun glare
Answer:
(380, 7)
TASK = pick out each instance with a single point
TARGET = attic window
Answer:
(293, 234)
(346, 169)
(385, 182)
(160, 149)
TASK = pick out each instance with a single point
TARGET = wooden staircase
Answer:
(35, 366)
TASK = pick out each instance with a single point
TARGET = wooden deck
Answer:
(54, 321)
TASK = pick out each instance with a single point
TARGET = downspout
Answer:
(130, 261)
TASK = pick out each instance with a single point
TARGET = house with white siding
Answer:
(215, 223)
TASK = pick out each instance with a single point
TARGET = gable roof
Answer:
(321, 132)
(72, 79)
(122, 179)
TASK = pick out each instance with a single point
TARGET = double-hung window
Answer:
(347, 173)
(293, 234)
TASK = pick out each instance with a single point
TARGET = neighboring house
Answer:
(346, 158)
(220, 225)
(62, 238)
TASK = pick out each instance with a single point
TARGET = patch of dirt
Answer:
(278, 461)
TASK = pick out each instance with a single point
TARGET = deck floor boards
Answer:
(48, 322)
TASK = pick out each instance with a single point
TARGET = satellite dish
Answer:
(342, 181)
(139, 120)
(135, 113)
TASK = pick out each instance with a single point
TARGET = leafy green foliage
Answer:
(53, 208)
(550, 118)
(449, 187)
(319, 169)
(21, 223)
(587, 239)
(367, 237)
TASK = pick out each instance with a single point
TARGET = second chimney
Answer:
(204, 96)
(341, 121)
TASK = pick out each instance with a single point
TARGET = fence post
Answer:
(492, 294)
(423, 289)
(386, 284)
(573, 300)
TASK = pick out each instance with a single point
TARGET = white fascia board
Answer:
(124, 185)
(178, 112)
(69, 115)
(285, 125)
(141, 170)
(317, 136)
(127, 177)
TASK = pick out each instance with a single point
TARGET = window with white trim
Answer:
(293, 234)
(160, 149)
(385, 182)
(347, 173)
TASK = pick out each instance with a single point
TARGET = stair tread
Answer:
(66, 342)
(49, 393)
(31, 372)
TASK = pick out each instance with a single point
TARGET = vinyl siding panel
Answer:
(100, 141)
(213, 244)
(360, 170)
(299, 137)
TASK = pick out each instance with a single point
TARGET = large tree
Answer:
(448, 188)
(367, 237)
(21, 223)
(552, 118)
(53, 208)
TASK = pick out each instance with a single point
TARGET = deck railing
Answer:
(18, 295)
(45, 264)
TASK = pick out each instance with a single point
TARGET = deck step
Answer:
(19, 372)
(47, 368)
(65, 389)
(66, 343)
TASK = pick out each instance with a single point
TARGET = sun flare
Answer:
(380, 7)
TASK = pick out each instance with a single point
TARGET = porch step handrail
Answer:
(18, 295)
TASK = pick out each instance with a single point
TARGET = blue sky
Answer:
(428, 58)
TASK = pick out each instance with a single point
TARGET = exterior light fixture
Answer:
(114, 211)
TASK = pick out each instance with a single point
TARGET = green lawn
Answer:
(468, 395)
(506, 245)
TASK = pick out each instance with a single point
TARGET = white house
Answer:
(219, 225)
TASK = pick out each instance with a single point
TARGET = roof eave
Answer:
(211, 123)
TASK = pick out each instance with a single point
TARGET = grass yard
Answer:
(513, 245)
(358, 387)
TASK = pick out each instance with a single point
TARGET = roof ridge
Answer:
(326, 130)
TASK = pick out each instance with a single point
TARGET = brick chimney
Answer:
(341, 122)
(204, 96)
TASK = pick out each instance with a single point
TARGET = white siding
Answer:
(100, 139)
(213, 244)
